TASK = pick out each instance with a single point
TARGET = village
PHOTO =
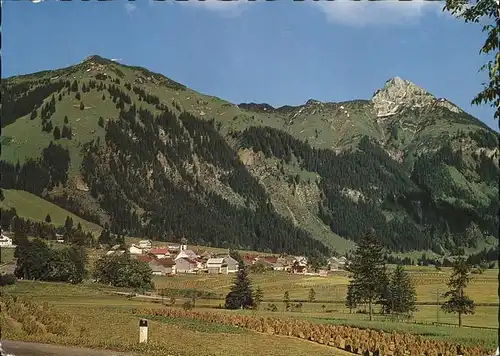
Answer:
(173, 259)
(170, 259)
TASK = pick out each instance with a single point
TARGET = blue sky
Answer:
(280, 52)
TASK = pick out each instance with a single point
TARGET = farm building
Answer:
(189, 254)
(217, 266)
(232, 264)
(162, 267)
(185, 265)
(145, 244)
(160, 252)
(5, 241)
(135, 250)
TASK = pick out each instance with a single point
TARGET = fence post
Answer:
(143, 331)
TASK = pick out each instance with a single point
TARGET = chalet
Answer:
(336, 264)
(298, 268)
(217, 266)
(5, 241)
(145, 244)
(189, 254)
(232, 264)
(162, 267)
(59, 238)
(160, 252)
(135, 250)
(301, 260)
(169, 265)
(185, 265)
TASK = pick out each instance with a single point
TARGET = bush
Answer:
(7, 280)
(272, 307)
(187, 305)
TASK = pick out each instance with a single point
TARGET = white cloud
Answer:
(130, 7)
(384, 12)
(232, 8)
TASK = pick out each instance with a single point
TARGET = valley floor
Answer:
(98, 317)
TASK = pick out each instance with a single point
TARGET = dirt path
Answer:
(19, 348)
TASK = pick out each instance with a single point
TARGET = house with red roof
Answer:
(160, 252)
(144, 258)
(163, 266)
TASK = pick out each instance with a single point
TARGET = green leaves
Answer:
(484, 11)
(458, 302)
(241, 295)
(368, 271)
(123, 271)
(402, 294)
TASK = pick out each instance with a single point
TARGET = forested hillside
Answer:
(122, 146)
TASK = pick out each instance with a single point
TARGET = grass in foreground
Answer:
(107, 322)
(102, 307)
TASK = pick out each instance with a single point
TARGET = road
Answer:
(19, 348)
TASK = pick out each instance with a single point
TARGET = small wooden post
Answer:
(143, 331)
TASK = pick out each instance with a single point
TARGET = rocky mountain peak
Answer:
(398, 93)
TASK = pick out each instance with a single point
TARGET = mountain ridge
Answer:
(275, 150)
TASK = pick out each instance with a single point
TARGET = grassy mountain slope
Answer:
(31, 207)
(153, 157)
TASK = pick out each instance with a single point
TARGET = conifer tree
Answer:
(286, 300)
(458, 302)
(312, 295)
(66, 119)
(57, 133)
(402, 294)
(78, 96)
(367, 268)
(82, 106)
(351, 299)
(258, 296)
(48, 219)
(241, 295)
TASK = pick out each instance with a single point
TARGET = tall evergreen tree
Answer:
(57, 133)
(351, 298)
(312, 295)
(286, 300)
(458, 302)
(258, 297)
(241, 294)
(402, 294)
(48, 219)
(368, 268)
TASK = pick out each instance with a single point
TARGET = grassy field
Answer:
(32, 207)
(428, 283)
(106, 321)
(98, 305)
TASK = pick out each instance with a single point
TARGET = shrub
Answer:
(7, 280)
